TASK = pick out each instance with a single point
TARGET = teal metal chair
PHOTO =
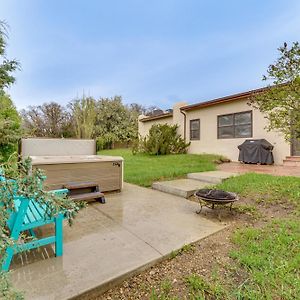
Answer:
(28, 215)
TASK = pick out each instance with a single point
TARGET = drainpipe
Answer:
(184, 125)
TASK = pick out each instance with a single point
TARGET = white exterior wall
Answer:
(209, 142)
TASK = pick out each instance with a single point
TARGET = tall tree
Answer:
(7, 67)
(84, 114)
(112, 121)
(9, 118)
(48, 120)
(10, 126)
(281, 102)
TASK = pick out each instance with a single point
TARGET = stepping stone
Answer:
(211, 176)
(180, 187)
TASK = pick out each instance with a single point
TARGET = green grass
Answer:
(263, 188)
(200, 288)
(143, 169)
(271, 258)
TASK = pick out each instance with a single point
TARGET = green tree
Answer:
(281, 102)
(84, 114)
(7, 67)
(114, 122)
(10, 127)
(48, 120)
(9, 118)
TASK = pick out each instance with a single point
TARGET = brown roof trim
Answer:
(162, 116)
(225, 99)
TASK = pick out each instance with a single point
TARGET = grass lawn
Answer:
(142, 169)
(256, 257)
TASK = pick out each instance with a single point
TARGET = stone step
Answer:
(293, 158)
(211, 176)
(180, 187)
(89, 196)
(291, 163)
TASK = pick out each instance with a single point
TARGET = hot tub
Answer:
(107, 171)
(73, 160)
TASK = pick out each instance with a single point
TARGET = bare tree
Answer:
(48, 120)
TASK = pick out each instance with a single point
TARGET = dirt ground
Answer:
(205, 257)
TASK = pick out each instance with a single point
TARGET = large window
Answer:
(195, 129)
(238, 125)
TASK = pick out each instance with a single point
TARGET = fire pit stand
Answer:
(210, 198)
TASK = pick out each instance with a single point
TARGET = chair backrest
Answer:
(20, 203)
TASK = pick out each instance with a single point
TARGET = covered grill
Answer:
(256, 151)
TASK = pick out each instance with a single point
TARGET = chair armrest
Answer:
(59, 192)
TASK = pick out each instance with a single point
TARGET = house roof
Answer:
(161, 116)
(225, 99)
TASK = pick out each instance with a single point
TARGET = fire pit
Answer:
(210, 198)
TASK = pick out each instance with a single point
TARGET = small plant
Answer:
(164, 291)
(201, 289)
(183, 249)
(6, 290)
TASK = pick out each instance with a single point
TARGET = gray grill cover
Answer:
(256, 151)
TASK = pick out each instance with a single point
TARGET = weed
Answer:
(183, 249)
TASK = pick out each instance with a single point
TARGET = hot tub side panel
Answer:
(107, 174)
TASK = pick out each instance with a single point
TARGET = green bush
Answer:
(162, 139)
(10, 127)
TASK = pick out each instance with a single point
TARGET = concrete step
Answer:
(214, 177)
(291, 163)
(293, 158)
(180, 187)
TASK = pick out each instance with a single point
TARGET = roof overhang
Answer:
(152, 118)
(222, 100)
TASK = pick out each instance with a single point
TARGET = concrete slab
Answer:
(110, 242)
(179, 187)
(211, 176)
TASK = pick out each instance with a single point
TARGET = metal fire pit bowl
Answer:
(211, 197)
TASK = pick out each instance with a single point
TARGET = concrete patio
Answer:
(110, 242)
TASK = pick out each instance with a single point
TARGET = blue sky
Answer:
(154, 52)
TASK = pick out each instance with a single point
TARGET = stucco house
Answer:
(220, 125)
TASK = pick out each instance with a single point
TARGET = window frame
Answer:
(198, 136)
(235, 125)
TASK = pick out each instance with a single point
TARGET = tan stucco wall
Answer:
(144, 127)
(209, 143)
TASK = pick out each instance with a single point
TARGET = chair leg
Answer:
(59, 235)
(8, 259)
(11, 251)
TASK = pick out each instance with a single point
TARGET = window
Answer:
(195, 129)
(238, 125)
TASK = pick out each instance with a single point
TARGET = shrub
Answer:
(162, 139)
